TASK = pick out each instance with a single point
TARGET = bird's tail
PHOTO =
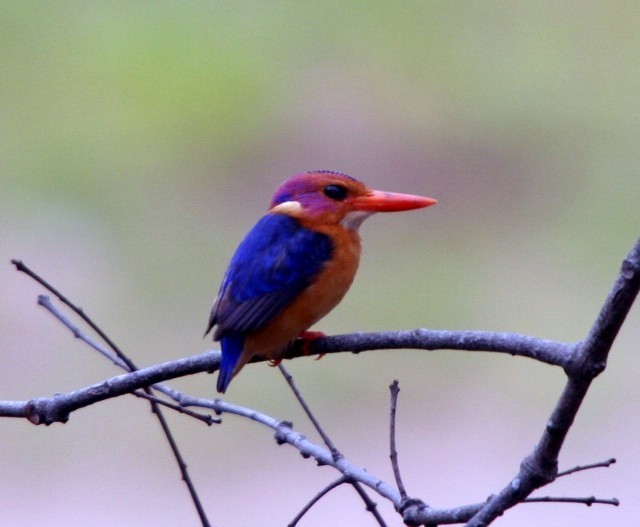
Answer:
(231, 345)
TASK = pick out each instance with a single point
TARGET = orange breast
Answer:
(313, 303)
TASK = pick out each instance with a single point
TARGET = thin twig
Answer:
(591, 500)
(394, 388)
(45, 301)
(325, 438)
(205, 418)
(21, 266)
(184, 470)
(579, 468)
(317, 498)
(371, 506)
(155, 408)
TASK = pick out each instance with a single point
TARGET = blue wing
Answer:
(277, 260)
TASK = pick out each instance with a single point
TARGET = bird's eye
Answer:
(336, 192)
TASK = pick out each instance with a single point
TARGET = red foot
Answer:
(308, 337)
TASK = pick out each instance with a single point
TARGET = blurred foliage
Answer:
(139, 141)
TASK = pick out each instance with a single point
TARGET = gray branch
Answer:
(582, 362)
(47, 410)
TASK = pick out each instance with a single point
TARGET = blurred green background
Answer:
(140, 141)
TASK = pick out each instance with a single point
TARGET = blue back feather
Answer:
(277, 260)
(277, 253)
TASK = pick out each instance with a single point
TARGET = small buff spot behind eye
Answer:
(288, 207)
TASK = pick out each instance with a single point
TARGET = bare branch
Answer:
(123, 361)
(547, 351)
(335, 453)
(595, 349)
(581, 361)
(541, 466)
(414, 512)
(395, 390)
(48, 410)
(46, 302)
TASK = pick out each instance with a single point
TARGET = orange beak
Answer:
(380, 201)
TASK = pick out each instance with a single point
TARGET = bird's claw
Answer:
(308, 337)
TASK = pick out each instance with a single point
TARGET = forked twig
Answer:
(335, 453)
(155, 407)
(46, 302)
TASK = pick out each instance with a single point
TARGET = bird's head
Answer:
(326, 197)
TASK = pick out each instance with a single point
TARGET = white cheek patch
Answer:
(292, 208)
(354, 219)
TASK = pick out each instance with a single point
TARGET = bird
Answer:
(294, 266)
